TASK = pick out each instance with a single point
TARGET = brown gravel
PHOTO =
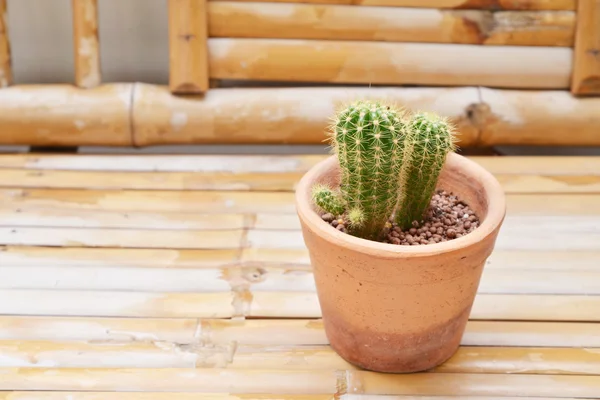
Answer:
(448, 218)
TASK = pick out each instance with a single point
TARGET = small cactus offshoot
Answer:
(327, 200)
(429, 140)
(368, 137)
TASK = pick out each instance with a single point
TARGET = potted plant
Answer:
(398, 228)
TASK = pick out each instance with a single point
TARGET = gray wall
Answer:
(133, 40)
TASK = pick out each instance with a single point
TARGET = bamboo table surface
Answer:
(134, 277)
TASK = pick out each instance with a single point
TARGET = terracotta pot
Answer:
(392, 308)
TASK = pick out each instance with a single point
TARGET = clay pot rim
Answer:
(493, 192)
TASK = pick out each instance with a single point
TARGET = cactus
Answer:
(327, 200)
(428, 141)
(368, 139)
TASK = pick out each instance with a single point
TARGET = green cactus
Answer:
(429, 139)
(368, 138)
(327, 200)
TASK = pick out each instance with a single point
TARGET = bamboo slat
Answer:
(249, 181)
(297, 382)
(586, 62)
(538, 118)
(261, 278)
(56, 395)
(117, 258)
(154, 354)
(83, 237)
(87, 47)
(42, 395)
(27, 256)
(274, 332)
(267, 164)
(360, 62)
(393, 24)
(217, 202)
(19, 216)
(510, 307)
(66, 115)
(460, 4)
(188, 54)
(5, 61)
(281, 115)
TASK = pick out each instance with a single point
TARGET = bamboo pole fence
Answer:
(505, 72)
(586, 74)
(5, 63)
(85, 35)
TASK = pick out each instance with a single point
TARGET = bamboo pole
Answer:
(188, 54)
(586, 63)
(459, 4)
(287, 115)
(87, 48)
(549, 115)
(360, 62)
(66, 115)
(5, 62)
(112, 115)
(348, 22)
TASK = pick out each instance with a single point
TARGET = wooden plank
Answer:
(83, 237)
(154, 354)
(276, 332)
(586, 61)
(285, 181)
(468, 4)
(267, 164)
(275, 116)
(5, 58)
(296, 382)
(28, 119)
(188, 54)
(390, 63)
(576, 308)
(390, 24)
(86, 45)
(537, 118)
(218, 202)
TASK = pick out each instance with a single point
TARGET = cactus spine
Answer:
(368, 138)
(428, 141)
(327, 200)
